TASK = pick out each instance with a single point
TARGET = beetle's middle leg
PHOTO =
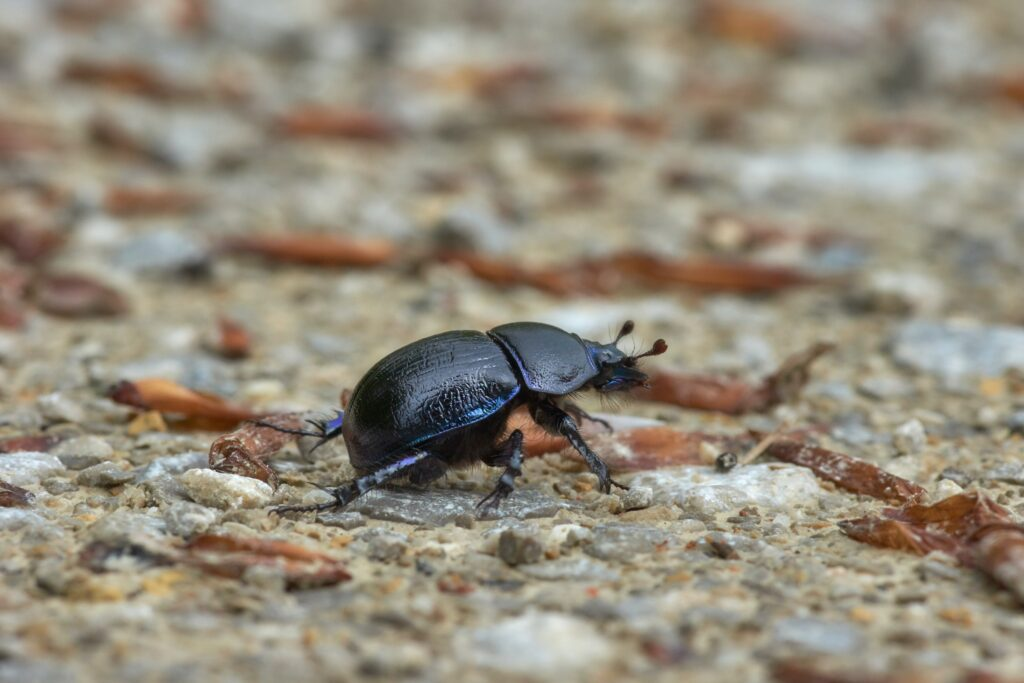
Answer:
(580, 415)
(350, 490)
(557, 421)
(509, 454)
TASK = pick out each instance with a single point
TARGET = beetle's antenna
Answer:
(659, 347)
(627, 328)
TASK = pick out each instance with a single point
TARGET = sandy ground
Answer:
(874, 148)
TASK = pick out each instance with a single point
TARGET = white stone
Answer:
(944, 488)
(226, 491)
(704, 492)
(28, 467)
(909, 437)
(535, 644)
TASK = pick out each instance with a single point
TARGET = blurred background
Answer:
(259, 199)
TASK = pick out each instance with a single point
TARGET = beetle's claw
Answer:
(492, 501)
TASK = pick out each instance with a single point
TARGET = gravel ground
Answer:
(875, 148)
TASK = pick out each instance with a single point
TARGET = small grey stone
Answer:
(54, 575)
(387, 547)
(624, 542)
(186, 519)
(1015, 422)
(56, 486)
(818, 635)
(15, 519)
(344, 520)
(571, 569)
(226, 491)
(956, 476)
(25, 468)
(173, 464)
(885, 387)
(59, 407)
(164, 490)
(105, 475)
(123, 527)
(637, 498)
(909, 437)
(538, 645)
(1011, 473)
(162, 252)
(953, 351)
(518, 545)
(898, 292)
(439, 506)
(83, 451)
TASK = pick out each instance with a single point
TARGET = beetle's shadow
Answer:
(437, 505)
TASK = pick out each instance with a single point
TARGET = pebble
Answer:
(25, 468)
(439, 506)
(885, 387)
(124, 527)
(105, 475)
(59, 407)
(536, 644)
(519, 545)
(956, 475)
(703, 493)
(571, 569)
(944, 488)
(637, 498)
(343, 520)
(899, 292)
(186, 519)
(624, 542)
(819, 636)
(81, 452)
(909, 437)
(1011, 473)
(163, 252)
(164, 490)
(226, 491)
(956, 350)
(387, 546)
(174, 464)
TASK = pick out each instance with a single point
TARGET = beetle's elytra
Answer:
(444, 401)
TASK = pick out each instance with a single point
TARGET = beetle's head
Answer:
(617, 370)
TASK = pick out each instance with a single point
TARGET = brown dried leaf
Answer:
(18, 138)
(897, 131)
(968, 526)
(489, 82)
(148, 201)
(127, 77)
(710, 275)
(596, 117)
(795, 671)
(348, 124)
(28, 243)
(748, 24)
(14, 496)
(207, 410)
(245, 450)
(230, 557)
(13, 288)
(40, 443)
(1010, 87)
(232, 339)
(858, 476)
(76, 296)
(733, 396)
(315, 249)
(560, 281)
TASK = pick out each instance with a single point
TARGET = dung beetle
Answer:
(444, 401)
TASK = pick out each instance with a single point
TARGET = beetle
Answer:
(444, 402)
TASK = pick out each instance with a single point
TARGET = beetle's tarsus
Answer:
(283, 430)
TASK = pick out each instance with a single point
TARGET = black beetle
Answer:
(444, 401)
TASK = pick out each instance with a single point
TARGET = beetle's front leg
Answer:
(350, 490)
(557, 421)
(580, 415)
(509, 454)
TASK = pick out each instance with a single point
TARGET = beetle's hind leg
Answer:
(509, 454)
(350, 490)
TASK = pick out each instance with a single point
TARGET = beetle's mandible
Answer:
(444, 401)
